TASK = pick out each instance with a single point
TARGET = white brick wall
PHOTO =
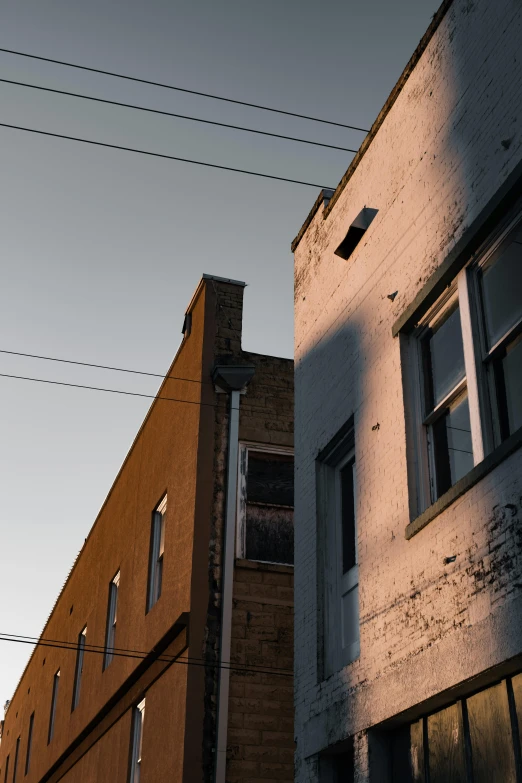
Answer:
(432, 167)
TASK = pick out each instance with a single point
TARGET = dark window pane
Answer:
(270, 479)
(346, 476)
(447, 757)
(445, 359)
(407, 752)
(512, 367)
(491, 737)
(502, 289)
(452, 445)
(269, 534)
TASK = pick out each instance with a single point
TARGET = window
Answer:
(157, 547)
(337, 550)
(265, 530)
(136, 742)
(80, 651)
(467, 377)
(476, 738)
(29, 744)
(6, 769)
(54, 698)
(337, 767)
(15, 766)
(110, 635)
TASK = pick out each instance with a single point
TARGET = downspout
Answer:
(232, 379)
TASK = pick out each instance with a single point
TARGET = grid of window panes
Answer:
(490, 293)
(475, 740)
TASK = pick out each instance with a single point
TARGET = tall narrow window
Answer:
(6, 769)
(157, 546)
(265, 530)
(80, 651)
(29, 744)
(500, 280)
(112, 612)
(54, 699)
(446, 414)
(337, 551)
(15, 766)
(136, 742)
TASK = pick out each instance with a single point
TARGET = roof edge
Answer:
(403, 78)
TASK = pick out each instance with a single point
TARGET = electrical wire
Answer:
(163, 155)
(102, 367)
(172, 114)
(122, 652)
(180, 89)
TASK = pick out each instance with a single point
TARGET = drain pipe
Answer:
(234, 380)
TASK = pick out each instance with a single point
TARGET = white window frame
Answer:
(138, 719)
(334, 584)
(112, 618)
(157, 549)
(483, 416)
(80, 653)
(242, 473)
(54, 700)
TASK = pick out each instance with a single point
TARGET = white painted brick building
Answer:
(408, 640)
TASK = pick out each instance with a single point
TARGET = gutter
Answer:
(234, 380)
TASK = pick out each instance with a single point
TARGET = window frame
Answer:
(54, 700)
(29, 744)
(464, 289)
(78, 671)
(340, 452)
(241, 504)
(112, 618)
(136, 744)
(16, 756)
(156, 554)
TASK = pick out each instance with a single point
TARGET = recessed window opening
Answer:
(29, 744)
(136, 742)
(15, 765)
(6, 769)
(466, 389)
(337, 550)
(54, 699)
(356, 232)
(265, 530)
(112, 616)
(80, 653)
(157, 549)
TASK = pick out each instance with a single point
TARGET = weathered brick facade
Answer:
(444, 607)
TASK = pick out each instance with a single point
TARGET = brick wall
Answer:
(260, 737)
(448, 142)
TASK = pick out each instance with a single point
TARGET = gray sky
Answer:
(100, 250)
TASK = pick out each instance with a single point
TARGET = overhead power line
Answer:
(140, 655)
(164, 156)
(172, 114)
(102, 366)
(181, 89)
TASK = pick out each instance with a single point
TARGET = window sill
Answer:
(466, 482)
(261, 565)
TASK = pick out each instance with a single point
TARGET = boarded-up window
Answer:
(476, 739)
(266, 523)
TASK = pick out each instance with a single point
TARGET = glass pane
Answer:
(270, 478)
(417, 752)
(491, 738)
(453, 450)
(517, 691)
(445, 359)
(447, 757)
(512, 366)
(350, 616)
(269, 534)
(502, 289)
(346, 477)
